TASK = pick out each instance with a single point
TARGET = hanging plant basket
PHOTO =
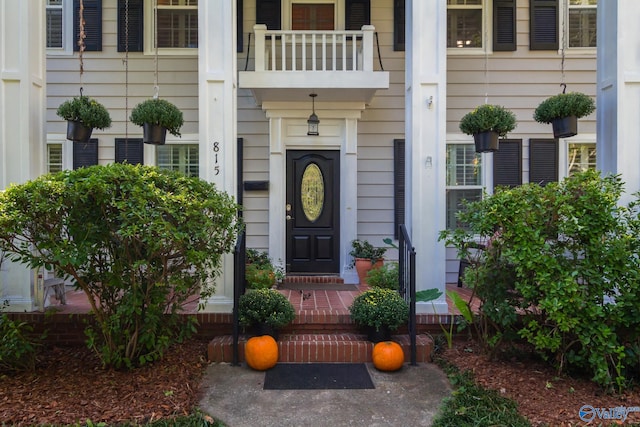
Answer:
(565, 127)
(78, 132)
(153, 134)
(486, 142)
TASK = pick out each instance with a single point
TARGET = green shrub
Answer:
(379, 307)
(364, 249)
(266, 306)
(564, 105)
(566, 256)
(158, 112)
(488, 117)
(386, 276)
(260, 277)
(140, 243)
(17, 349)
(86, 110)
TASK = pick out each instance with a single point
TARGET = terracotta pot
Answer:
(78, 132)
(565, 127)
(363, 265)
(486, 142)
(153, 134)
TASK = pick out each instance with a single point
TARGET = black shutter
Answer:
(136, 27)
(130, 151)
(543, 23)
(357, 14)
(85, 153)
(504, 25)
(92, 25)
(269, 12)
(543, 161)
(239, 25)
(398, 184)
(507, 163)
(398, 24)
(240, 171)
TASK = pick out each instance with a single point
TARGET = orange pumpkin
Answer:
(261, 353)
(388, 356)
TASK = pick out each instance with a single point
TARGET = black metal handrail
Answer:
(407, 272)
(239, 255)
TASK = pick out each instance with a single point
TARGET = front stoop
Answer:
(330, 348)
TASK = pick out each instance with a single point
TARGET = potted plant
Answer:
(563, 111)
(365, 257)
(381, 311)
(83, 114)
(266, 310)
(486, 123)
(386, 276)
(157, 116)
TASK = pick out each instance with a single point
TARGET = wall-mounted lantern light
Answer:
(313, 121)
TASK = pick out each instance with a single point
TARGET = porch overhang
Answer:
(331, 86)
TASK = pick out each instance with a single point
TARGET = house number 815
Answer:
(216, 150)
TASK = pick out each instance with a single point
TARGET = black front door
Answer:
(313, 203)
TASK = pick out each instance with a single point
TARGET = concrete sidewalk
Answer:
(409, 397)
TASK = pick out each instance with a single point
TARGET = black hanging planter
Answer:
(565, 127)
(78, 132)
(486, 142)
(153, 134)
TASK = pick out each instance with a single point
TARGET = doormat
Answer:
(318, 376)
(300, 286)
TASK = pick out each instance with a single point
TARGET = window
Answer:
(58, 26)
(312, 16)
(177, 22)
(464, 179)
(464, 24)
(581, 27)
(580, 157)
(179, 157)
(54, 158)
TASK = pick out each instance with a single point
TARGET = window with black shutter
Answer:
(85, 153)
(136, 27)
(269, 12)
(507, 163)
(130, 150)
(398, 184)
(239, 25)
(357, 14)
(398, 24)
(92, 14)
(504, 25)
(543, 34)
(543, 161)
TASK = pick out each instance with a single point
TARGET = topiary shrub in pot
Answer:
(83, 114)
(266, 310)
(157, 117)
(486, 123)
(563, 111)
(379, 310)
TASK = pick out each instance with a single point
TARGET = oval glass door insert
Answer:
(312, 192)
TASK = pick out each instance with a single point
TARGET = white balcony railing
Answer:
(314, 50)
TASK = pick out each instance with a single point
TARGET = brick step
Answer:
(315, 279)
(309, 348)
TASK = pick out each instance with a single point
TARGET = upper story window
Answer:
(581, 23)
(313, 16)
(58, 26)
(177, 26)
(464, 24)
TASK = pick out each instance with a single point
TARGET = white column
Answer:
(426, 142)
(618, 109)
(22, 106)
(217, 105)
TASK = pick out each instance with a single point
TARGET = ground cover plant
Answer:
(140, 242)
(559, 267)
